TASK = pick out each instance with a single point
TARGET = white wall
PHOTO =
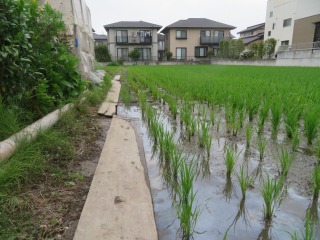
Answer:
(307, 8)
(282, 9)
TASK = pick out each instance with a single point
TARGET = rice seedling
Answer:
(173, 107)
(291, 121)
(263, 115)
(311, 124)
(230, 159)
(276, 114)
(248, 134)
(218, 124)
(125, 94)
(308, 233)
(285, 159)
(142, 97)
(176, 160)
(187, 211)
(203, 133)
(316, 182)
(167, 146)
(295, 140)
(241, 117)
(270, 191)
(262, 143)
(212, 117)
(252, 107)
(234, 124)
(207, 143)
(245, 180)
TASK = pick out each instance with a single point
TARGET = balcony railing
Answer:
(300, 46)
(210, 39)
(134, 40)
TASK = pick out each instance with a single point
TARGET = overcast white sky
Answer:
(238, 13)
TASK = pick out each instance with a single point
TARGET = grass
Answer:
(318, 152)
(276, 114)
(125, 95)
(203, 133)
(9, 122)
(43, 162)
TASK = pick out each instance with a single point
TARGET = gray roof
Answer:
(253, 27)
(251, 39)
(132, 24)
(197, 23)
(99, 37)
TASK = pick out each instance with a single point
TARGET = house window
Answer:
(218, 35)
(145, 36)
(273, 26)
(201, 52)
(205, 33)
(181, 53)
(181, 34)
(122, 53)
(269, 33)
(145, 54)
(287, 22)
(285, 43)
(122, 36)
(271, 14)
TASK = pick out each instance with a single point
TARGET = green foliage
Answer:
(236, 47)
(269, 46)
(102, 53)
(134, 54)
(257, 48)
(36, 67)
(224, 49)
(169, 55)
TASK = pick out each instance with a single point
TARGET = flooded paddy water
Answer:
(222, 207)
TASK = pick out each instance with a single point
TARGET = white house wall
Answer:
(282, 9)
(307, 8)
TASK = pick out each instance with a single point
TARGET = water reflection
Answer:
(228, 189)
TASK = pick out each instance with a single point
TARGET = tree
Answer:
(134, 54)
(102, 53)
(269, 46)
(257, 48)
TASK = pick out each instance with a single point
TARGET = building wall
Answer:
(112, 45)
(304, 29)
(192, 41)
(304, 14)
(282, 9)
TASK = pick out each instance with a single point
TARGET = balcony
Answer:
(211, 39)
(133, 40)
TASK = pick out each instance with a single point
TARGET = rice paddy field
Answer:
(233, 152)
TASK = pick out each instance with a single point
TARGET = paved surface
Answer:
(108, 107)
(119, 204)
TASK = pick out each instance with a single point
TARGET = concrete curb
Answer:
(8, 146)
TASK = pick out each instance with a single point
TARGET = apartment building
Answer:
(295, 24)
(191, 39)
(125, 36)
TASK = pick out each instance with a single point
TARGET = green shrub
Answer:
(38, 69)
(134, 54)
(102, 53)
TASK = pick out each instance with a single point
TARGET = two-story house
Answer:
(100, 39)
(252, 34)
(161, 44)
(125, 36)
(295, 24)
(191, 39)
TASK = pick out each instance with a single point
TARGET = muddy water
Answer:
(219, 198)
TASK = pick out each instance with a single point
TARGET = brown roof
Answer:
(197, 23)
(132, 24)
